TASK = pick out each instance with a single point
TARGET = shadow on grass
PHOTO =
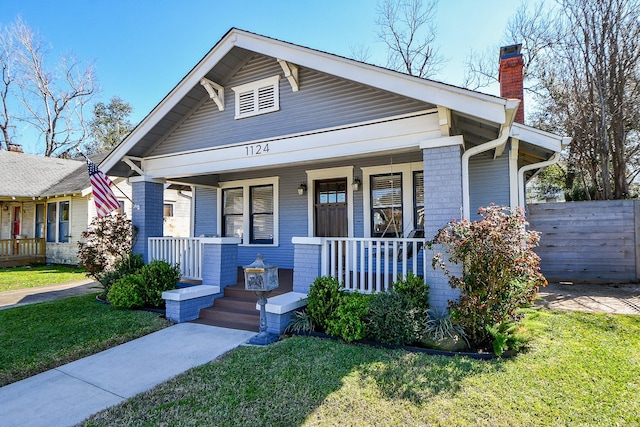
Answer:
(285, 383)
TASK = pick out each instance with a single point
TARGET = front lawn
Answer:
(37, 337)
(581, 369)
(39, 275)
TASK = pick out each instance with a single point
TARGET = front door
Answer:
(16, 222)
(331, 208)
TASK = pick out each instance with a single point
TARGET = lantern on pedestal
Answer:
(261, 279)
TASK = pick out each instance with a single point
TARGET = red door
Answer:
(16, 222)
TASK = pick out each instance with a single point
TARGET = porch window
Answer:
(40, 220)
(418, 200)
(51, 221)
(261, 214)
(386, 205)
(63, 223)
(232, 217)
(248, 210)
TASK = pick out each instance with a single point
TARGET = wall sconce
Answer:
(5, 207)
(302, 188)
(356, 184)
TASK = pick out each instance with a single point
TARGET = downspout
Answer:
(521, 189)
(510, 110)
(504, 135)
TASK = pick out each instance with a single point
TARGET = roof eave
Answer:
(477, 104)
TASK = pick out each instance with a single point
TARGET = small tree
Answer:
(500, 269)
(107, 240)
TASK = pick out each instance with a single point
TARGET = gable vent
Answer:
(257, 97)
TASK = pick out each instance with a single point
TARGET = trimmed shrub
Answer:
(415, 289)
(392, 319)
(128, 264)
(350, 320)
(158, 276)
(127, 292)
(323, 300)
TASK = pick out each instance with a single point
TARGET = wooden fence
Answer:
(595, 241)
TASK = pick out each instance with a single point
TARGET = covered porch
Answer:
(23, 251)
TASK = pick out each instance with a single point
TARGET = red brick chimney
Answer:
(17, 148)
(510, 76)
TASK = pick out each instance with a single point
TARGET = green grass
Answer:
(37, 337)
(40, 275)
(581, 369)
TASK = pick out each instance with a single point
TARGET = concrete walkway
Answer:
(615, 298)
(67, 395)
(9, 299)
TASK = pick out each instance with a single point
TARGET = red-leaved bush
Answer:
(500, 269)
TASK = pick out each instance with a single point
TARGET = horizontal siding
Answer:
(586, 241)
(323, 101)
(488, 182)
(205, 205)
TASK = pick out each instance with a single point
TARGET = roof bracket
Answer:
(215, 91)
(291, 73)
(130, 161)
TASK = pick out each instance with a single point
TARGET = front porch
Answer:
(20, 252)
(365, 265)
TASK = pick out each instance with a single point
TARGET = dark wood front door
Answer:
(331, 208)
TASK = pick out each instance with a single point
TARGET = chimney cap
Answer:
(510, 51)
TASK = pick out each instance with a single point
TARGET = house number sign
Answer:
(256, 149)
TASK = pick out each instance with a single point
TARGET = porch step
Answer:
(237, 308)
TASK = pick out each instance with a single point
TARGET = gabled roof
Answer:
(27, 175)
(235, 46)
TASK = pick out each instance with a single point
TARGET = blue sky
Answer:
(143, 48)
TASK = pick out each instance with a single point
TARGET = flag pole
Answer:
(114, 184)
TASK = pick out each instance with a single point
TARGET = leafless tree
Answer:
(50, 99)
(7, 55)
(408, 29)
(583, 69)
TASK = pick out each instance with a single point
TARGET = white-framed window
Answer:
(248, 210)
(40, 220)
(58, 221)
(393, 199)
(259, 97)
(167, 210)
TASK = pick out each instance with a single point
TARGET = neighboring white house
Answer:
(50, 198)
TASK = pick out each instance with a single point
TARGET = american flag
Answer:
(102, 194)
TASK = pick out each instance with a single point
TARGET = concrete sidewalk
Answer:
(9, 299)
(67, 395)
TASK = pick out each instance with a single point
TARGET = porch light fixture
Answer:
(5, 207)
(302, 189)
(356, 184)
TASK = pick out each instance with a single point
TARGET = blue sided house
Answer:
(322, 164)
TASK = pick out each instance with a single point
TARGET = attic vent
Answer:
(257, 97)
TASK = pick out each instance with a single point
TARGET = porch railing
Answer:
(370, 265)
(185, 251)
(27, 247)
